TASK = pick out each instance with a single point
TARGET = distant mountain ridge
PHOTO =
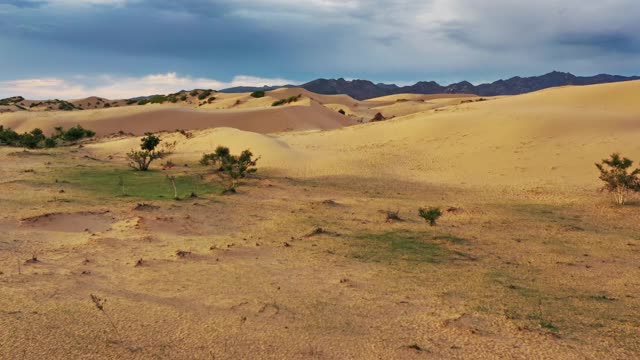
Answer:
(365, 89)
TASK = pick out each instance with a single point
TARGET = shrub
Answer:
(131, 101)
(74, 134)
(9, 137)
(230, 168)
(12, 100)
(140, 160)
(378, 117)
(257, 94)
(107, 105)
(392, 215)
(614, 172)
(143, 102)
(288, 100)
(342, 112)
(50, 143)
(65, 106)
(431, 215)
(32, 139)
(183, 98)
(205, 94)
(158, 99)
(194, 92)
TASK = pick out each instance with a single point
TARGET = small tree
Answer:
(614, 172)
(230, 168)
(430, 215)
(140, 160)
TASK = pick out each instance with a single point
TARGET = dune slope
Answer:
(161, 117)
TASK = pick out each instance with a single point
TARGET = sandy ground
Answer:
(529, 260)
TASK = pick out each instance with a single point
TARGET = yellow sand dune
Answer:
(420, 97)
(278, 152)
(543, 138)
(344, 100)
(141, 119)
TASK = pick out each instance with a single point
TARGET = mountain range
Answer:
(365, 89)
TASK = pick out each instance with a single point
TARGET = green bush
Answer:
(194, 93)
(11, 101)
(37, 139)
(65, 106)
(32, 139)
(230, 168)
(204, 94)
(131, 101)
(158, 99)
(342, 112)
(614, 172)
(288, 100)
(143, 102)
(430, 215)
(75, 133)
(9, 137)
(257, 94)
(140, 160)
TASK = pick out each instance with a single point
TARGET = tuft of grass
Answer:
(416, 347)
(546, 324)
(150, 185)
(397, 247)
(451, 238)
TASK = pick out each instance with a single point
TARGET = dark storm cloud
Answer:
(402, 40)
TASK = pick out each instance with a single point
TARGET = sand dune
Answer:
(549, 137)
(552, 136)
(139, 120)
(284, 93)
(420, 97)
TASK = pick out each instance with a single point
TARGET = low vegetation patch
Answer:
(147, 185)
(11, 100)
(397, 247)
(258, 94)
(451, 238)
(36, 138)
(158, 99)
(288, 100)
(205, 94)
(73, 134)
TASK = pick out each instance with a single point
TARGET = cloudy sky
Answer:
(126, 48)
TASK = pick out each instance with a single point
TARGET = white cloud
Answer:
(114, 87)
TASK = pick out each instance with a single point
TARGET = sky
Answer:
(125, 48)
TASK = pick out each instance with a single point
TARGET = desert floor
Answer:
(528, 261)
